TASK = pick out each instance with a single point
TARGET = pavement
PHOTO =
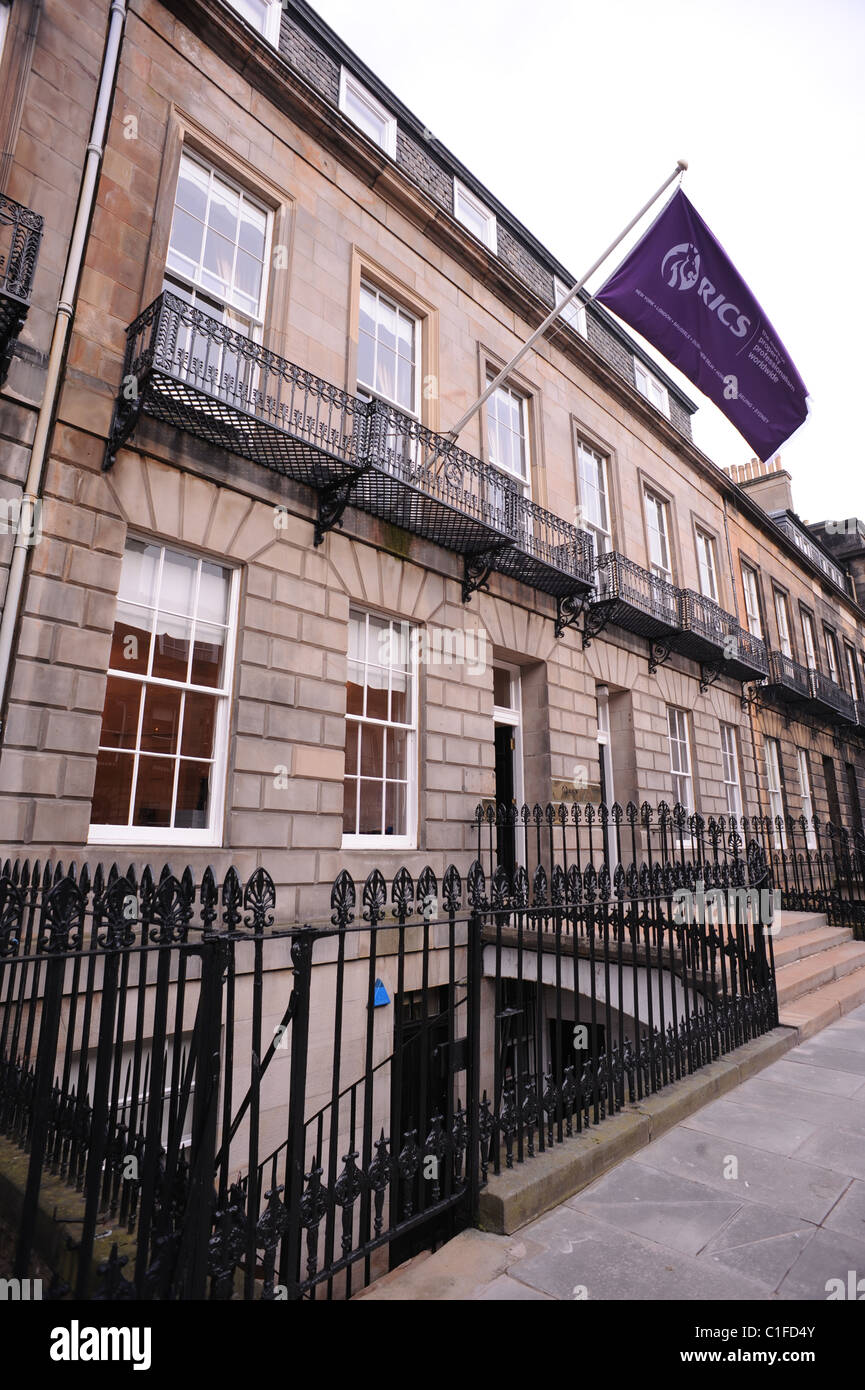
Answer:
(760, 1195)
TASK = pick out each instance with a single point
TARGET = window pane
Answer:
(193, 794)
(120, 714)
(139, 572)
(400, 698)
(349, 807)
(177, 590)
(395, 808)
(354, 689)
(130, 644)
(207, 654)
(171, 648)
(213, 593)
(372, 751)
(376, 692)
(370, 808)
(501, 687)
(199, 725)
(192, 185)
(351, 736)
(112, 789)
(153, 792)
(397, 753)
(161, 723)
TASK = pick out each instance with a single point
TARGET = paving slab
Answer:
(848, 1215)
(828, 1255)
(586, 1258)
(763, 1094)
(818, 1078)
(789, 1185)
(761, 1243)
(774, 1132)
(826, 1054)
(663, 1208)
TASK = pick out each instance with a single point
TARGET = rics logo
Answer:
(681, 266)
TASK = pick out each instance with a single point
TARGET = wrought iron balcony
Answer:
(860, 713)
(631, 598)
(827, 695)
(20, 235)
(714, 638)
(788, 683)
(191, 371)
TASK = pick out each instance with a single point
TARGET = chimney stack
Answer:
(768, 483)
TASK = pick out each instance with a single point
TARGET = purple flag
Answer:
(680, 291)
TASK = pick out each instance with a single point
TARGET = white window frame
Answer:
(751, 590)
(5, 9)
(251, 325)
(651, 388)
(809, 639)
(349, 86)
(782, 620)
(574, 314)
(655, 506)
(464, 196)
(730, 764)
(852, 672)
(522, 480)
(603, 534)
(409, 839)
(775, 787)
(364, 387)
(806, 792)
(681, 767)
(102, 834)
(707, 564)
(831, 644)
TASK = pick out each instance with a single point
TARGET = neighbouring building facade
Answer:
(272, 616)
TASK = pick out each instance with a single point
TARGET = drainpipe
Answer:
(31, 498)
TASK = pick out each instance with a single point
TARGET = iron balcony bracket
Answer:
(568, 610)
(597, 617)
(478, 568)
(127, 410)
(332, 502)
(659, 652)
(709, 673)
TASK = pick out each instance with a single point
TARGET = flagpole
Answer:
(555, 313)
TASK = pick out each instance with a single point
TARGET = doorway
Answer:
(832, 790)
(507, 717)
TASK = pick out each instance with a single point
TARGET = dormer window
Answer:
(650, 387)
(574, 314)
(471, 212)
(367, 113)
(263, 15)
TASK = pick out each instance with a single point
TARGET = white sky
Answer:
(573, 113)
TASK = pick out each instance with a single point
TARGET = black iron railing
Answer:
(827, 694)
(20, 235)
(632, 598)
(191, 371)
(710, 634)
(788, 681)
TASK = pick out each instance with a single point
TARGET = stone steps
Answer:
(819, 971)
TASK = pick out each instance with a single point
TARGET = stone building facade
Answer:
(260, 173)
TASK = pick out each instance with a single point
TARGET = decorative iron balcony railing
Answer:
(828, 694)
(788, 682)
(632, 598)
(189, 370)
(20, 235)
(714, 637)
